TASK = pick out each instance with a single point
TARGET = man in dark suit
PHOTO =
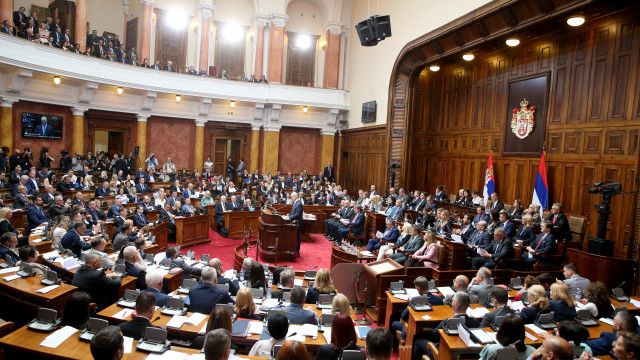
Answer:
(219, 210)
(482, 216)
(92, 39)
(544, 243)
(114, 209)
(104, 190)
(6, 28)
(176, 261)
(560, 228)
(103, 288)
(79, 200)
(480, 238)
(418, 203)
(35, 214)
(466, 230)
(142, 188)
(20, 201)
(496, 204)
(169, 66)
(145, 307)
(329, 172)
(154, 280)
(501, 248)
(58, 208)
(8, 242)
(295, 312)
(66, 37)
(355, 225)
(139, 219)
(507, 225)
(440, 194)
(58, 37)
(99, 50)
(422, 285)
(44, 129)
(233, 283)
(20, 18)
(390, 234)
(408, 245)
(156, 66)
(499, 298)
(234, 204)
(296, 215)
(72, 241)
(203, 297)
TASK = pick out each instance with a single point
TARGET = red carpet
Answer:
(316, 252)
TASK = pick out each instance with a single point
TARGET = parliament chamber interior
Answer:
(319, 179)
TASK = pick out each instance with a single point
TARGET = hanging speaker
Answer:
(374, 29)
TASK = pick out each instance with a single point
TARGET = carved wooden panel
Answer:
(229, 54)
(132, 35)
(171, 43)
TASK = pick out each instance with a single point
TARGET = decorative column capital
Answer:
(125, 7)
(256, 127)
(206, 10)
(201, 122)
(78, 111)
(261, 20)
(148, 2)
(327, 131)
(7, 103)
(335, 28)
(143, 117)
(279, 20)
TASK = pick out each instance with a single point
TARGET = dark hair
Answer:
(256, 277)
(379, 342)
(511, 330)
(482, 207)
(545, 279)
(78, 225)
(220, 318)
(216, 343)
(96, 242)
(26, 252)
(76, 309)
(500, 294)
(171, 251)
(572, 330)
(139, 242)
(495, 216)
(342, 331)
(106, 342)
(145, 302)
(278, 326)
(125, 227)
(469, 217)
(572, 267)
(293, 350)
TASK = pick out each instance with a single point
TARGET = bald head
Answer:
(556, 348)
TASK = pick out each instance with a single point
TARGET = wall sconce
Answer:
(468, 56)
(119, 90)
(250, 34)
(56, 80)
(232, 103)
(178, 98)
(305, 109)
(323, 45)
(434, 67)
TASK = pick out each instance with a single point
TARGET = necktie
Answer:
(554, 218)
(540, 242)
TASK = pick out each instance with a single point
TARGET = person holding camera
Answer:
(102, 163)
(45, 160)
(169, 167)
(151, 161)
(27, 157)
(65, 161)
(77, 163)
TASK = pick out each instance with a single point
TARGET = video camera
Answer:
(606, 188)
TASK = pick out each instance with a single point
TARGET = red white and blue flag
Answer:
(489, 180)
(541, 189)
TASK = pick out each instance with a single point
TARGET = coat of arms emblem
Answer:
(523, 120)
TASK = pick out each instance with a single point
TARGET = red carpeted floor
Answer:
(316, 252)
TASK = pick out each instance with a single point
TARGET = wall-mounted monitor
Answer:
(369, 111)
(41, 126)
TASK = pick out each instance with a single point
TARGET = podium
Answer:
(273, 227)
(192, 230)
(372, 279)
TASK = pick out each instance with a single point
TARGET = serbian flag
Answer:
(489, 180)
(541, 189)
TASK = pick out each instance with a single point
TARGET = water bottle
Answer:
(578, 294)
(269, 284)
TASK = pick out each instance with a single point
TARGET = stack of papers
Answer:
(295, 329)
(535, 328)
(446, 290)
(55, 339)
(635, 303)
(477, 313)
(412, 293)
(298, 282)
(255, 327)
(177, 321)
(50, 255)
(10, 270)
(268, 304)
(327, 334)
(128, 344)
(366, 253)
(309, 330)
(168, 355)
(607, 321)
(11, 277)
(45, 290)
(404, 297)
(195, 319)
(123, 314)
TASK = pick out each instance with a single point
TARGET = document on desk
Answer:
(635, 303)
(203, 330)
(195, 319)
(51, 255)
(446, 290)
(516, 305)
(478, 312)
(123, 314)
(404, 297)
(309, 330)
(298, 282)
(295, 329)
(177, 321)
(412, 292)
(255, 327)
(535, 328)
(607, 321)
(327, 335)
(58, 337)
(36, 241)
(128, 344)
(46, 289)
(168, 355)
(10, 270)
(11, 277)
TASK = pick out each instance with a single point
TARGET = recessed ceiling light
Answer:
(512, 42)
(576, 20)
(434, 67)
(468, 56)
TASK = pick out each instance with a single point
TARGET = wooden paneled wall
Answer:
(363, 158)
(593, 120)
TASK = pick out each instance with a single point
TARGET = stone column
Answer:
(81, 24)
(6, 13)
(332, 56)
(270, 150)
(77, 141)
(6, 122)
(276, 48)
(205, 31)
(125, 11)
(145, 41)
(328, 141)
(198, 158)
(141, 138)
(255, 149)
(261, 21)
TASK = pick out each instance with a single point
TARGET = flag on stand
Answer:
(489, 180)
(541, 189)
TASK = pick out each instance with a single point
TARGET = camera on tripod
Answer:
(608, 187)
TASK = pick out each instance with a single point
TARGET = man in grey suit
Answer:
(573, 280)
(499, 298)
(408, 245)
(295, 313)
(482, 285)
(460, 283)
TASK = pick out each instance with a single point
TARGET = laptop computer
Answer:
(46, 320)
(154, 340)
(545, 321)
(129, 298)
(187, 284)
(325, 301)
(93, 326)
(421, 303)
(397, 287)
(584, 317)
(175, 306)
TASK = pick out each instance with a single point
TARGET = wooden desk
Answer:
(277, 238)
(392, 304)
(192, 230)
(240, 221)
(41, 246)
(375, 222)
(339, 256)
(321, 212)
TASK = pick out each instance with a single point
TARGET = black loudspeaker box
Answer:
(367, 32)
(600, 247)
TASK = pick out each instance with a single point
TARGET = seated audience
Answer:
(145, 308)
(107, 344)
(278, 326)
(499, 298)
(624, 321)
(461, 283)
(341, 304)
(220, 318)
(233, 282)
(540, 247)
(204, 296)
(245, 308)
(561, 303)
(322, 285)
(135, 266)
(72, 241)
(427, 255)
(408, 246)
(596, 300)
(103, 288)
(187, 270)
(295, 313)
(422, 285)
(495, 253)
(343, 337)
(525, 235)
(77, 310)
(388, 248)
(481, 285)
(154, 279)
(511, 332)
(573, 331)
(257, 279)
(573, 280)
(390, 234)
(28, 254)
(538, 303)
(379, 343)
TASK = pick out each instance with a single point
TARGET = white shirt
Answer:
(263, 347)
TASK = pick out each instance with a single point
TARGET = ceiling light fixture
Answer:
(56, 80)
(576, 20)
(233, 103)
(178, 97)
(305, 109)
(468, 56)
(119, 90)
(434, 68)
(512, 42)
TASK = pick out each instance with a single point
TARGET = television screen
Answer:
(369, 111)
(41, 126)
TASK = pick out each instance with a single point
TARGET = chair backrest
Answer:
(507, 207)
(507, 353)
(353, 355)
(578, 226)
(452, 197)
(441, 253)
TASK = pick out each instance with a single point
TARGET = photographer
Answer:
(65, 161)
(4, 161)
(15, 160)
(151, 161)
(90, 162)
(131, 164)
(27, 157)
(77, 163)
(45, 160)
(101, 163)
